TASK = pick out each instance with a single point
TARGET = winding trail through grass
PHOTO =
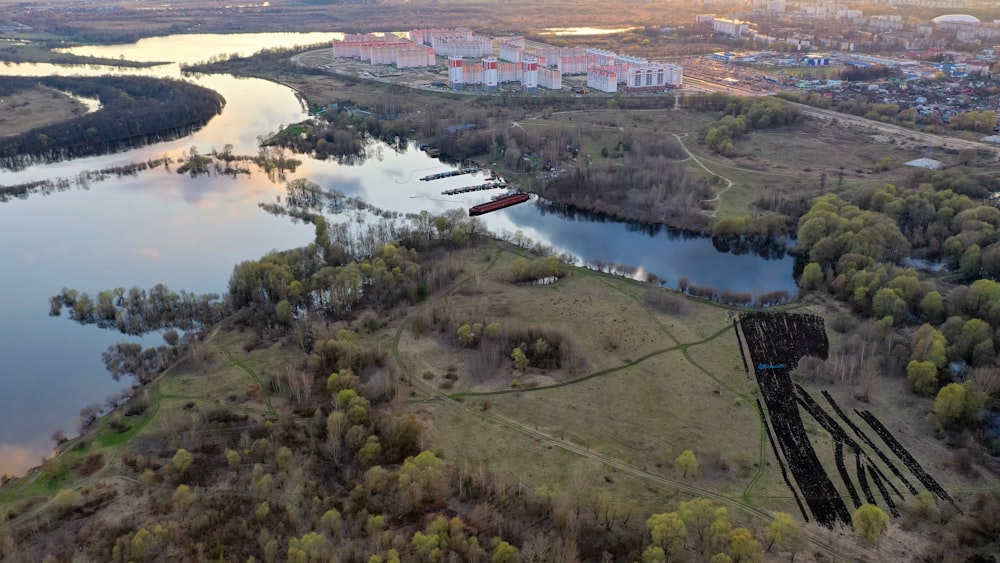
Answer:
(718, 194)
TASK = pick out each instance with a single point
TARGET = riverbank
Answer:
(576, 150)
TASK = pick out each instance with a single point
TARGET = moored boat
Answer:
(498, 203)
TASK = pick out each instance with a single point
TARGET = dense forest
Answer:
(134, 111)
(939, 332)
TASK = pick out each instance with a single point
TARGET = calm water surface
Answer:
(188, 233)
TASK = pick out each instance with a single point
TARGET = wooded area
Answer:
(134, 111)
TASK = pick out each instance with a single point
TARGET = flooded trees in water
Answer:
(138, 311)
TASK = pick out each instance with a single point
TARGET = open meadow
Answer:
(25, 110)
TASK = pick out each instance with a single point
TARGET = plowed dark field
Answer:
(775, 343)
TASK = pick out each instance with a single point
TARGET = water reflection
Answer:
(195, 48)
(15, 459)
(573, 31)
(160, 226)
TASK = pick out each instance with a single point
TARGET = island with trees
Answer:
(134, 111)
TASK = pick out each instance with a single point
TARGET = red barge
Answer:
(498, 203)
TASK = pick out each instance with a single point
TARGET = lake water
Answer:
(576, 31)
(188, 233)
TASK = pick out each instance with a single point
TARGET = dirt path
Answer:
(741, 505)
(896, 131)
(718, 194)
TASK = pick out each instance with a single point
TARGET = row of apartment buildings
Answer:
(473, 61)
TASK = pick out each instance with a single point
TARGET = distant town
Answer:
(925, 71)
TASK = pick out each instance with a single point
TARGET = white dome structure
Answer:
(956, 18)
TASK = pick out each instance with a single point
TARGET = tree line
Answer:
(135, 111)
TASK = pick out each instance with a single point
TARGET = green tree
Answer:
(720, 528)
(930, 345)
(922, 505)
(518, 268)
(743, 547)
(332, 522)
(284, 458)
(654, 554)
(283, 312)
(505, 553)
(721, 558)
(668, 531)
(467, 337)
(345, 397)
(687, 463)
(333, 384)
(141, 545)
(182, 498)
(971, 264)
(922, 377)
(975, 344)
(262, 510)
(233, 460)
(932, 307)
(422, 479)
(812, 277)
(315, 545)
(493, 331)
(426, 547)
(698, 514)
(784, 533)
(870, 523)
(181, 461)
(369, 453)
(520, 359)
(957, 403)
(887, 303)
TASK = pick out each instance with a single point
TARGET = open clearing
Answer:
(27, 109)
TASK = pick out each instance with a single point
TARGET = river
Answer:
(188, 233)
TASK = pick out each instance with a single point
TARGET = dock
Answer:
(496, 184)
(450, 173)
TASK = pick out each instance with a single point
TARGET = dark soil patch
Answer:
(781, 463)
(925, 478)
(776, 342)
(864, 438)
